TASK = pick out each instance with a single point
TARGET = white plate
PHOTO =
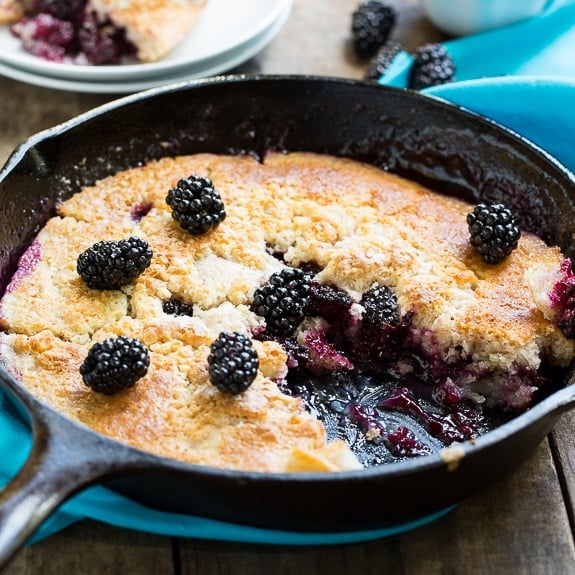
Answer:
(213, 66)
(223, 27)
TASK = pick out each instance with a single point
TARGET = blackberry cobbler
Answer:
(299, 313)
(101, 31)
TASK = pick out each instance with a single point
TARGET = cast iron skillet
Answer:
(401, 131)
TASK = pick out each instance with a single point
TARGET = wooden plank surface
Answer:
(521, 525)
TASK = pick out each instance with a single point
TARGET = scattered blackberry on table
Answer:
(196, 205)
(432, 65)
(382, 60)
(115, 364)
(175, 306)
(380, 306)
(371, 24)
(283, 301)
(493, 231)
(111, 264)
(233, 362)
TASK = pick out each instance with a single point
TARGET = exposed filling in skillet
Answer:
(392, 336)
(100, 31)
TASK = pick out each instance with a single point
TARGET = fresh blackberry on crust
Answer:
(233, 362)
(115, 364)
(196, 205)
(493, 231)
(371, 24)
(382, 60)
(380, 306)
(112, 264)
(432, 65)
(283, 301)
(174, 306)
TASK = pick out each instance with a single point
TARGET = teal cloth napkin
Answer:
(522, 76)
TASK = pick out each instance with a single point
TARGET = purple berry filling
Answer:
(55, 30)
(458, 425)
(563, 298)
(100, 42)
(45, 36)
(26, 264)
(62, 9)
(385, 387)
(140, 211)
(400, 441)
(323, 355)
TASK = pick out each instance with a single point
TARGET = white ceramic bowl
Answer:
(461, 17)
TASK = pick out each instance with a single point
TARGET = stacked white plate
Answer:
(227, 34)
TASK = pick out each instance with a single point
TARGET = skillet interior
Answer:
(404, 132)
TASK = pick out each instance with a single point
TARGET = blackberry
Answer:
(380, 306)
(102, 43)
(371, 24)
(382, 60)
(566, 320)
(196, 205)
(383, 329)
(328, 301)
(112, 264)
(174, 306)
(283, 301)
(233, 362)
(115, 364)
(493, 231)
(432, 65)
(70, 10)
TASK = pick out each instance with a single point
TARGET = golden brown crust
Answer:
(10, 11)
(360, 224)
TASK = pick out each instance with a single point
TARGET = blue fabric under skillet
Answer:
(102, 504)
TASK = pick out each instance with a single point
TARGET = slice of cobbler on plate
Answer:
(10, 11)
(101, 32)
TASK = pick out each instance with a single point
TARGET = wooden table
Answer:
(523, 524)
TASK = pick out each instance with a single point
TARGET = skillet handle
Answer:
(63, 460)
